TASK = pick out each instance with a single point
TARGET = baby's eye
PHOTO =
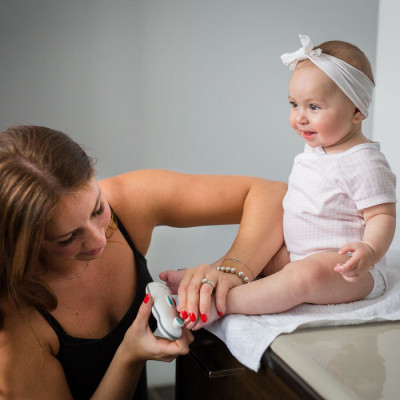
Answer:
(293, 104)
(314, 107)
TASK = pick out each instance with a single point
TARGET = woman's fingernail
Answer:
(184, 314)
(146, 299)
(192, 317)
(204, 318)
(220, 314)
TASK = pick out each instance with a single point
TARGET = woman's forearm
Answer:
(121, 379)
(260, 233)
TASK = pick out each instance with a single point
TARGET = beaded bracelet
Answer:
(236, 260)
(232, 270)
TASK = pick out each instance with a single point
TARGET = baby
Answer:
(339, 211)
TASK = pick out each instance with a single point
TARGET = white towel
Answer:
(247, 337)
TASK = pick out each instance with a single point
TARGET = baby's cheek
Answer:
(293, 124)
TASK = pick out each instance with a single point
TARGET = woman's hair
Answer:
(349, 53)
(37, 166)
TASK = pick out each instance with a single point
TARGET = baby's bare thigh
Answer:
(328, 286)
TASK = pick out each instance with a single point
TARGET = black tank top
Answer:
(85, 361)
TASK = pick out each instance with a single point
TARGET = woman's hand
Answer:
(195, 297)
(140, 342)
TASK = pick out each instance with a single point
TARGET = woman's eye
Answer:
(100, 210)
(68, 241)
(314, 107)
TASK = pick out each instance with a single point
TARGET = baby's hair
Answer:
(349, 53)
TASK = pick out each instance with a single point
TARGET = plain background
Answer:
(189, 85)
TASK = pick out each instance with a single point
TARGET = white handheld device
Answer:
(164, 311)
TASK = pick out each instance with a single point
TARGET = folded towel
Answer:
(247, 337)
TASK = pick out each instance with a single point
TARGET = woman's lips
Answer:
(92, 252)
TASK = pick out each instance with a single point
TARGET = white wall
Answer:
(387, 101)
(194, 86)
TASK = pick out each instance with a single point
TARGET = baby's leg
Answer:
(311, 280)
(172, 279)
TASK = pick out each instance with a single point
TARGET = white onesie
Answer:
(326, 194)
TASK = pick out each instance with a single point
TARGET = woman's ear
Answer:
(357, 117)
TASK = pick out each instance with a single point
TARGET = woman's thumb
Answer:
(144, 312)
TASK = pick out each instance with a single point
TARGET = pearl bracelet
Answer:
(236, 260)
(232, 270)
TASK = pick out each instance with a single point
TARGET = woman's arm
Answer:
(28, 366)
(259, 237)
(149, 198)
(138, 346)
(145, 199)
(30, 370)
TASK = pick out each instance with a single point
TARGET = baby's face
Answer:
(320, 112)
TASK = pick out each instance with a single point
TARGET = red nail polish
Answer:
(220, 314)
(184, 314)
(204, 318)
(146, 299)
(192, 317)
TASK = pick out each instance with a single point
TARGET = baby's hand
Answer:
(360, 262)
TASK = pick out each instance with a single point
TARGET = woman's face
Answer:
(77, 231)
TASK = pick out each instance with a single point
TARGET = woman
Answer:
(72, 266)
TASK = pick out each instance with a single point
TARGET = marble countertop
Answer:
(350, 362)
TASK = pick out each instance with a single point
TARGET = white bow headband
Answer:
(354, 83)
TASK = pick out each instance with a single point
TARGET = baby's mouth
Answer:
(307, 134)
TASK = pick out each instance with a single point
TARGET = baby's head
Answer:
(330, 91)
(345, 64)
(349, 53)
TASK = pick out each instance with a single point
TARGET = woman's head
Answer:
(77, 229)
(37, 166)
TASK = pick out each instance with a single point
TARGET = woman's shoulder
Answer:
(26, 343)
(132, 197)
(25, 328)
(120, 189)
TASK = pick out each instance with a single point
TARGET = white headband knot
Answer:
(354, 83)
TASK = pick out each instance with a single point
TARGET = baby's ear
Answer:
(357, 117)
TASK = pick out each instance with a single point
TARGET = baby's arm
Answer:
(379, 231)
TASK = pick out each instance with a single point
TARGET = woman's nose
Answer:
(96, 237)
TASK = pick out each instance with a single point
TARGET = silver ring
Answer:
(205, 280)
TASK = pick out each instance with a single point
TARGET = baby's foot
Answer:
(172, 279)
